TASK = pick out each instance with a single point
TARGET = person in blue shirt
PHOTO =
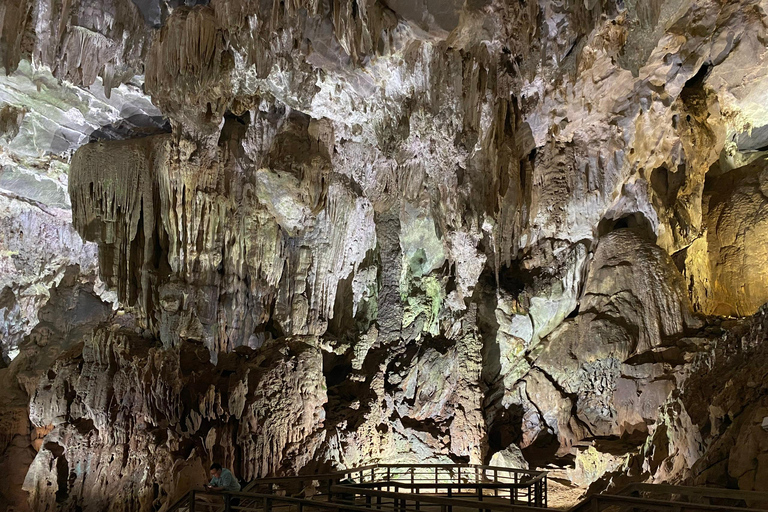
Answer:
(222, 480)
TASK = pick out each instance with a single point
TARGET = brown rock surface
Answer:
(127, 395)
(726, 267)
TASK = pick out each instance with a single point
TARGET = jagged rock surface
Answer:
(73, 309)
(37, 245)
(41, 123)
(434, 231)
(117, 393)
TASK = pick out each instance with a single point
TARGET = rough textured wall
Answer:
(432, 231)
(42, 122)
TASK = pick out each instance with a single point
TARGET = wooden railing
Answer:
(381, 501)
(378, 499)
(529, 491)
(695, 494)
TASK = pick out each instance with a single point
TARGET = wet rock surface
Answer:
(295, 236)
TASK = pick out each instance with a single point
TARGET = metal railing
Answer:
(210, 501)
(531, 492)
(517, 485)
(383, 501)
(440, 487)
(612, 503)
(451, 480)
(707, 495)
(380, 501)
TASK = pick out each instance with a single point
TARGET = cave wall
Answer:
(377, 231)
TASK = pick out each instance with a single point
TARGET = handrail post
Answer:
(539, 497)
(192, 501)
(268, 505)
(513, 493)
(226, 503)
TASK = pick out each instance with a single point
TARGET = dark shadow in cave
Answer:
(620, 446)
(635, 220)
(62, 477)
(336, 369)
(505, 429)
(342, 325)
(343, 391)
(694, 86)
(503, 425)
(543, 452)
(666, 184)
(132, 127)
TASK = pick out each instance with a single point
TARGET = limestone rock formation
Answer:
(73, 309)
(42, 122)
(38, 245)
(725, 264)
(378, 230)
(128, 394)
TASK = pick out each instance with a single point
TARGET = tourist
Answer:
(222, 479)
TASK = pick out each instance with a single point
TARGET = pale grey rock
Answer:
(58, 118)
(37, 245)
(38, 241)
(510, 457)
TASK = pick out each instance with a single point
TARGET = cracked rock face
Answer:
(297, 236)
